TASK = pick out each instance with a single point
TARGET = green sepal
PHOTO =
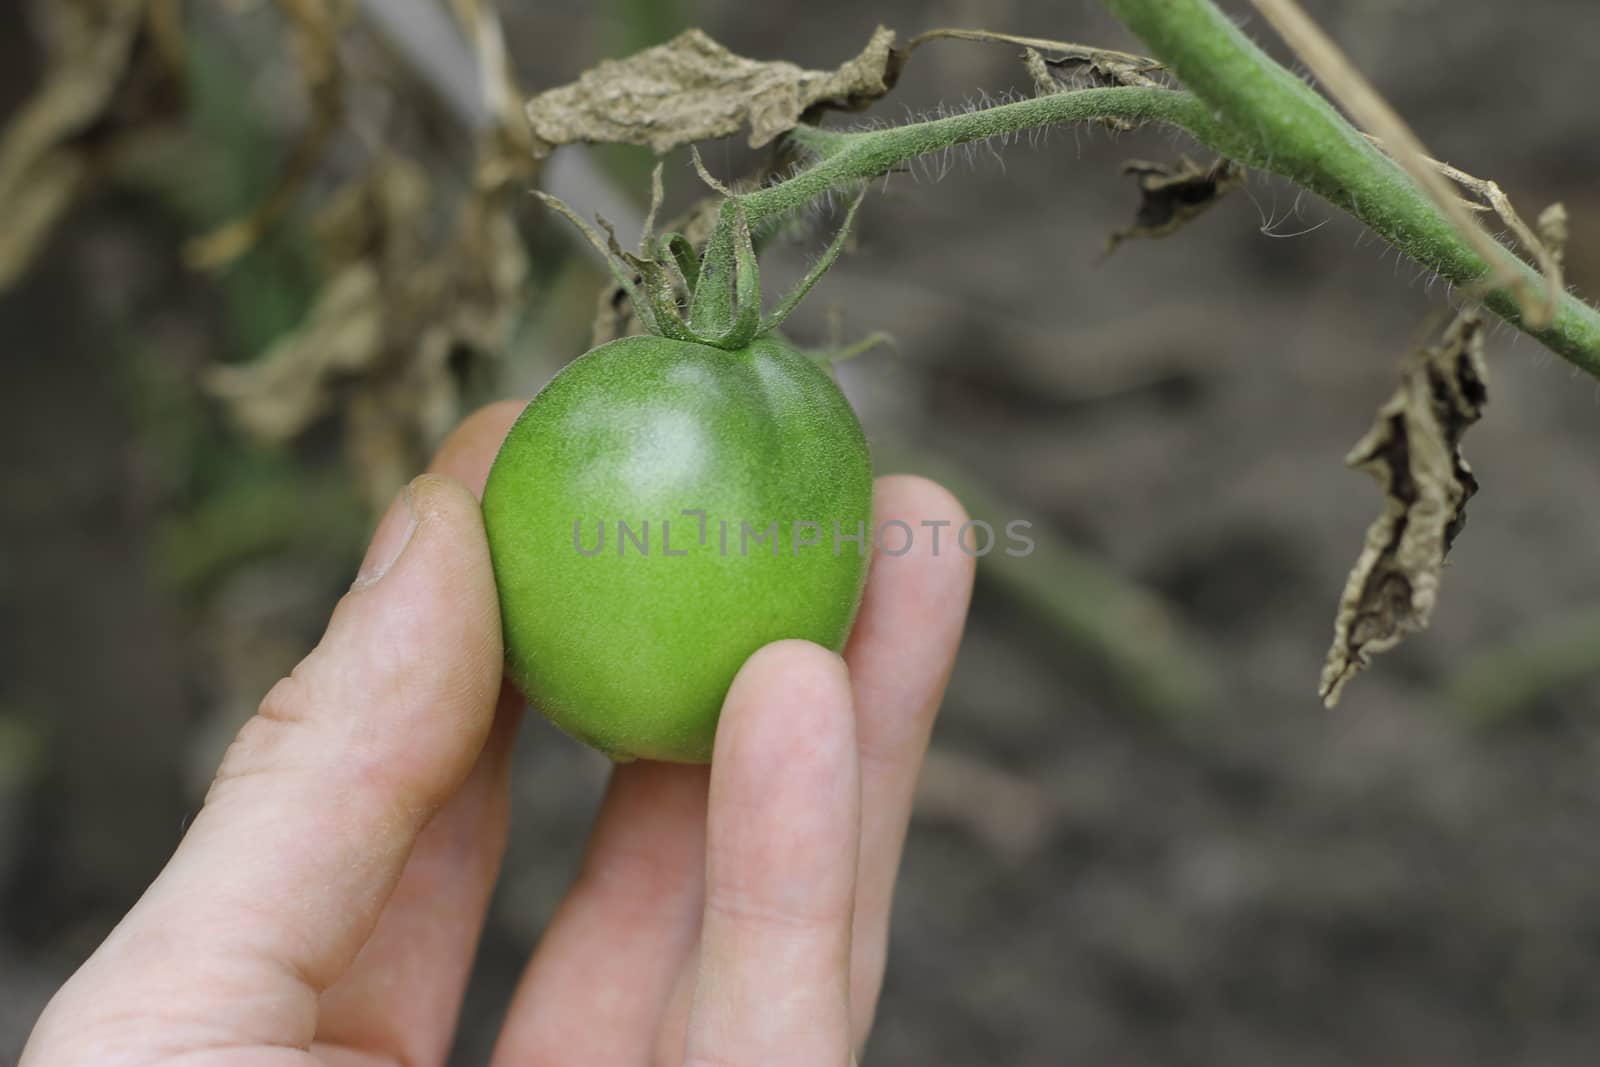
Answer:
(711, 307)
(658, 286)
(610, 253)
(792, 299)
(676, 248)
(744, 316)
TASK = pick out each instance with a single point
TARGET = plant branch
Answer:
(1242, 105)
(848, 158)
(1369, 109)
(1305, 139)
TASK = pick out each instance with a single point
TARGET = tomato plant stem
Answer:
(1241, 104)
(1297, 133)
(849, 157)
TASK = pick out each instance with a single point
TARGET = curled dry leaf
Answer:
(1555, 230)
(33, 207)
(1414, 450)
(379, 343)
(46, 158)
(1173, 197)
(693, 89)
(313, 27)
(276, 395)
(422, 286)
(1075, 66)
(1068, 66)
(1092, 68)
(368, 231)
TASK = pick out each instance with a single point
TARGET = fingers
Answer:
(901, 652)
(304, 834)
(625, 927)
(596, 989)
(403, 993)
(900, 655)
(468, 453)
(782, 842)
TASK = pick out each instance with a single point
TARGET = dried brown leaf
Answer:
(43, 164)
(1414, 451)
(1172, 197)
(94, 47)
(1070, 65)
(34, 206)
(381, 342)
(1555, 231)
(1077, 67)
(693, 89)
(314, 27)
(1095, 68)
(277, 395)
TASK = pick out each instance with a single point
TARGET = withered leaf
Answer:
(1069, 66)
(1172, 197)
(43, 164)
(366, 230)
(1074, 67)
(33, 207)
(395, 313)
(1555, 230)
(1414, 451)
(314, 28)
(1097, 68)
(276, 395)
(693, 89)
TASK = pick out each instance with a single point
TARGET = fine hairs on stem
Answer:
(1246, 107)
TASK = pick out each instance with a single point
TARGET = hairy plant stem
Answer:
(845, 159)
(1242, 105)
(1306, 140)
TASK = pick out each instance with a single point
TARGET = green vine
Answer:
(1299, 134)
(1238, 102)
(847, 158)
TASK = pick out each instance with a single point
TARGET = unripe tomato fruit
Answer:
(633, 647)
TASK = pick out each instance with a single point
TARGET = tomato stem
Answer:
(1292, 130)
(1240, 103)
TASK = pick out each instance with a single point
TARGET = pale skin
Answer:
(326, 902)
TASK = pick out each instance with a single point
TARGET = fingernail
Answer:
(390, 540)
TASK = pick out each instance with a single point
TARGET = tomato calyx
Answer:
(720, 288)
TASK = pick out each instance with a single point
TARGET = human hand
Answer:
(325, 904)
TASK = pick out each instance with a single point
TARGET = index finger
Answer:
(900, 655)
(469, 451)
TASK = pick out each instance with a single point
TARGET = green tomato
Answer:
(660, 511)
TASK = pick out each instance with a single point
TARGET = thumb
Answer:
(313, 813)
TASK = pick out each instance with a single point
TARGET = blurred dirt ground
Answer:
(1086, 882)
